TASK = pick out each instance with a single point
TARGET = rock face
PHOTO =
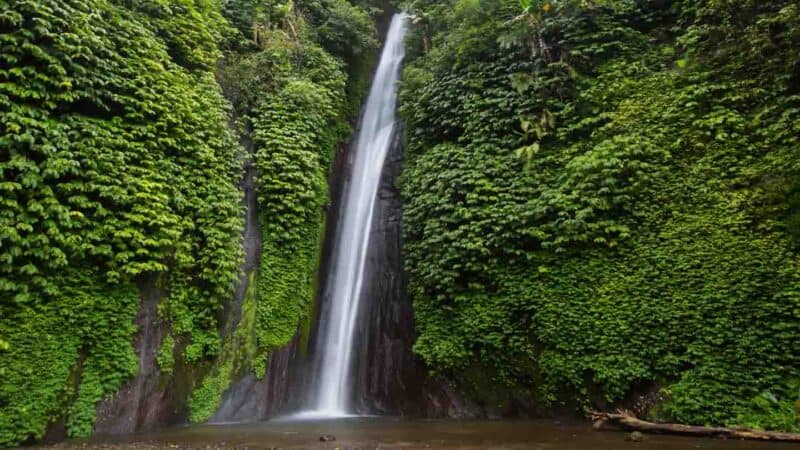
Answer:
(148, 401)
(250, 399)
(389, 377)
(143, 403)
(283, 387)
(252, 243)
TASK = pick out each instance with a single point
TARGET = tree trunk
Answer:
(627, 421)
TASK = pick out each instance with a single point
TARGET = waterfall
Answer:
(332, 387)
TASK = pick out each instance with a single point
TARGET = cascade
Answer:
(331, 387)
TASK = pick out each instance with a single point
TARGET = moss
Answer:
(205, 399)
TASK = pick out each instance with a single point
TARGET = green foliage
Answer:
(287, 285)
(116, 159)
(190, 29)
(605, 202)
(344, 29)
(118, 165)
(206, 397)
(238, 354)
(57, 363)
(294, 131)
(165, 358)
(771, 411)
(292, 182)
(290, 96)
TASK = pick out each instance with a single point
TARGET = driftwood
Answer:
(630, 422)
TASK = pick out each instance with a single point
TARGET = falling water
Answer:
(332, 388)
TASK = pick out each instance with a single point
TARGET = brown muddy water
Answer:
(387, 433)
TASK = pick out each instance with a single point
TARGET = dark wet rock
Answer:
(55, 432)
(232, 313)
(149, 400)
(636, 436)
(390, 379)
(327, 438)
(142, 403)
(252, 399)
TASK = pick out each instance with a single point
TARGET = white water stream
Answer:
(333, 386)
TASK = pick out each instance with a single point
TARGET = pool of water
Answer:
(408, 433)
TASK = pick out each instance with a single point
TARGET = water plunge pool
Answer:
(392, 432)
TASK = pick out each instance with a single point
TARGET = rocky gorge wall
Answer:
(592, 212)
(151, 400)
(390, 379)
(214, 321)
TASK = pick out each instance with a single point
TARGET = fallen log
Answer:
(629, 422)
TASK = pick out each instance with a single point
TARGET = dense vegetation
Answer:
(602, 199)
(289, 90)
(116, 163)
(120, 168)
